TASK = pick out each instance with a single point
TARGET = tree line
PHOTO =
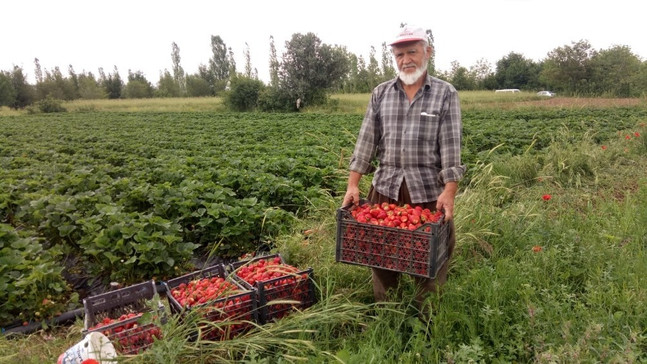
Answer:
(309, 70)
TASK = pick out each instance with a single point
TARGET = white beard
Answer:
(411, 78)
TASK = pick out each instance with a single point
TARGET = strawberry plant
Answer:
(32, 287)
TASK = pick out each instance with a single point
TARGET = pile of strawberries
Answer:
(219, 300)
(392, 215)
(277, 281)
(200, 291)
(130, 337)
(266, 269)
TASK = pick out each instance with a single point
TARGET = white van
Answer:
(513, 90)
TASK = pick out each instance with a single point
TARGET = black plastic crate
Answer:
(239, 309)
(420, 252)
(297, 287)
(129, 335)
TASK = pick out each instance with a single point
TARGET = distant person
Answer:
(413, 128)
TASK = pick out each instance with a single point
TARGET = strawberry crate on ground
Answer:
(419, 252)
(125, 316)
(276, 281)
(218, 298)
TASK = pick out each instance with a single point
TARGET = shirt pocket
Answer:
(428, 126)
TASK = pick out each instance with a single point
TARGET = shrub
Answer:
(50, 105)
(244, 94)
(275, 99)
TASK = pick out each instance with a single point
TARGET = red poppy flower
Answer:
(636, 134)
(627, 137)
(604, 147)
(536, 248)
(546, 197)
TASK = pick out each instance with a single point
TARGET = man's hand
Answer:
(352, 196)
(352, 191)
(446, 200)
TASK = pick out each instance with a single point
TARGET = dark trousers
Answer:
(385, 280)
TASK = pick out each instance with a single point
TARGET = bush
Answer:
(244, 94)
(48, 105)
(275, 99)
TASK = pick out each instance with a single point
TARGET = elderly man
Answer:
(413, 128)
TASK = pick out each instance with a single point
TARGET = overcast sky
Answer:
(137, 34)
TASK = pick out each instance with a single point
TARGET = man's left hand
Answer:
(445, 201)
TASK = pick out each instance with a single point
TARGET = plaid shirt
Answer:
(418, 142)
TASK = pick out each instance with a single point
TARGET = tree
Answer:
(374, 77)
(388, 70)
(515, 71)
(197, 86)
(613, 72)
(274, 65)
(178, 71)
(38, 70)
(431, 64)
(167, 86)
(232, 63)
(112, 83)
(138, 86)
(89, 88)
(482, 72)
(25, 93)
(461, 78)
(567, 69)
(7, 92)
(219, 63)
(309, 68)
(248, 62)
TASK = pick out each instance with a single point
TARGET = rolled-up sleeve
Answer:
(450, 139)
(366, 146)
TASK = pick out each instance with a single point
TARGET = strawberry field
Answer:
(90, 198)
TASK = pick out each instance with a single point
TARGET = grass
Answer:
(532, 280)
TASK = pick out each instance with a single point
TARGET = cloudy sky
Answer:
(137, 34)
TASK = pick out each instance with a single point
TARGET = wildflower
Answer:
(627, 137)
(636, 134)
(546, 197)
(604, 147)
(536, 248)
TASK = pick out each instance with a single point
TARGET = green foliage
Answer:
(515, 71)
(31, 284)
(137, 87)
(132, 247)
(197, 86)
(310, 68)
(274, 99)
(50, 105)
(112, 83)
(244, 94)
(167, 86)
(7, 92)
